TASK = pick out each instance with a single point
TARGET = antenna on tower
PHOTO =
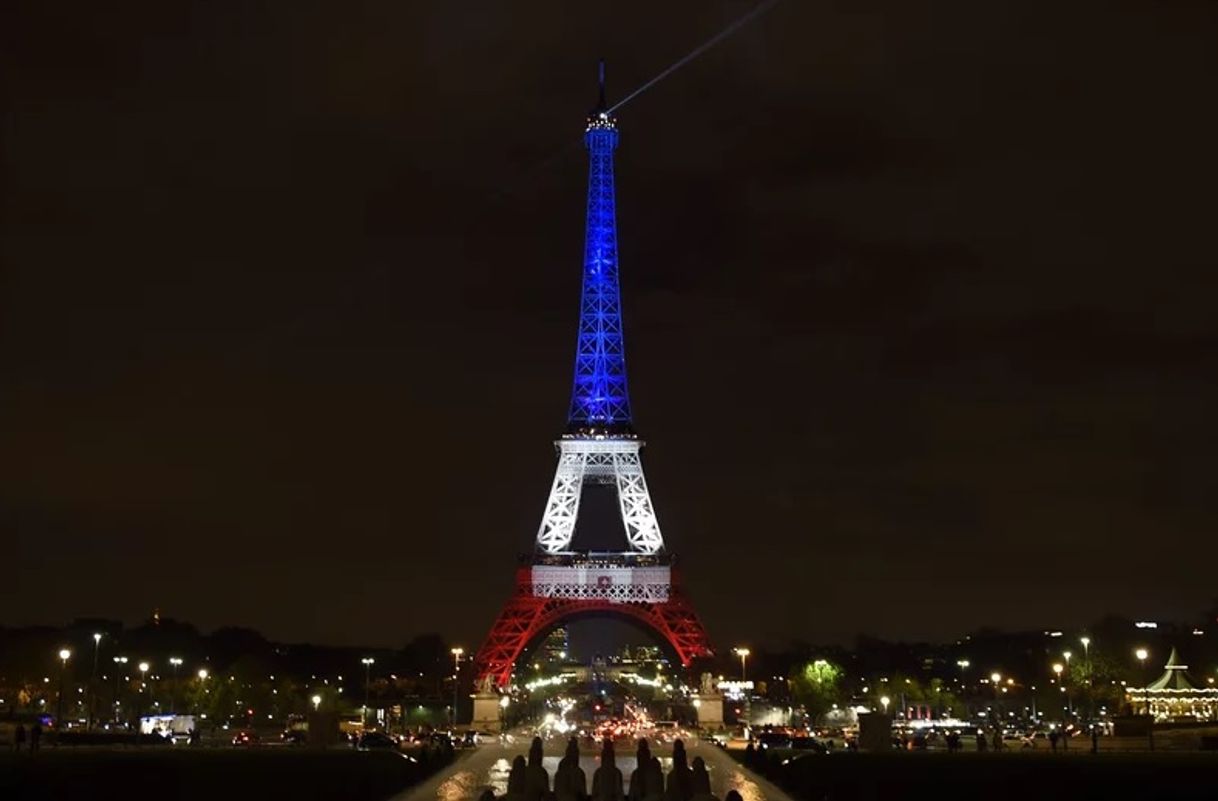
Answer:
(600, 65)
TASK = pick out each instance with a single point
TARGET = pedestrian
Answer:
(701, 781)
(607, 780)
(1065, 739)
(750, 754)
(680, 778)
(516, 779)
(35, 737)
(980, 740)
(570, 781)
(19, 736)
(1053, 735)
(646, 781)
(536, 780)
(1095, 739)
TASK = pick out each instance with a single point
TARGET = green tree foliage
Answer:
(816, 685)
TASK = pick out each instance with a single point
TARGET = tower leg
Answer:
(562, 507)
(638, 515)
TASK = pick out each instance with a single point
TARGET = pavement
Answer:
(488, 766)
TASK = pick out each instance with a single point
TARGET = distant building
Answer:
(1174, 696)
(556, 647)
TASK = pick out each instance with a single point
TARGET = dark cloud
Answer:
(919, 306)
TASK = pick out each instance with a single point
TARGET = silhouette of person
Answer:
(607, 781)
(570, 781)
(1095, 739)
(516, 779)
(750, 754)
(35, 736)
(732, 795)
(19, 736)
(1053, 740)
(487, 795)
(647, 780)
(700, 781)
(536, 780)
(680, 778)
(980, 740)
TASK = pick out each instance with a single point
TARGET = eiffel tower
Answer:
(599, 446)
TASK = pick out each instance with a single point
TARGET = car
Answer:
(377, 741)
(245, 737)
(773, 739)
(294, 737)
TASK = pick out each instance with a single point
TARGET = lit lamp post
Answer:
(743, 653)
(1142, 654)
(456, 652)
(1066, 683)
(368, 662)
(173, 694)
(64, 656)
(143, 666)
(316, 702)
(202, 674)
(1058, 667)
(884, 702)
(1086, 641)
(93, 677)
(118, 660)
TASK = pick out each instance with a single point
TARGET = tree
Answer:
(816, 685)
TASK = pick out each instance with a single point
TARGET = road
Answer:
(488, 765)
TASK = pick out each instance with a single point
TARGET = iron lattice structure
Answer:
(599, 398)
(529, 616)
(599, 446)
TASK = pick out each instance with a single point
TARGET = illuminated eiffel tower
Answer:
(598, 446)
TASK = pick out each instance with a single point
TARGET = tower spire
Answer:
(600, 402)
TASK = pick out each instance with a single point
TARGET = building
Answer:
(1174, 696)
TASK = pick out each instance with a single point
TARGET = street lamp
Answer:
(456, 652)
(316, 702)
(64, 656)
(93, 677)
(368, 662)
(173, 694)
(1142, 654)
(118, 660)
(1086, 641)
(884, 702)
(743, 653)
(202, 674)
(143, 666)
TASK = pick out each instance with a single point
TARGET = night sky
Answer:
(920, 306)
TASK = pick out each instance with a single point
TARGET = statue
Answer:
(708, 684)
(485, 685)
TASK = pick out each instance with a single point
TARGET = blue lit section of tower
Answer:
(600, 403)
